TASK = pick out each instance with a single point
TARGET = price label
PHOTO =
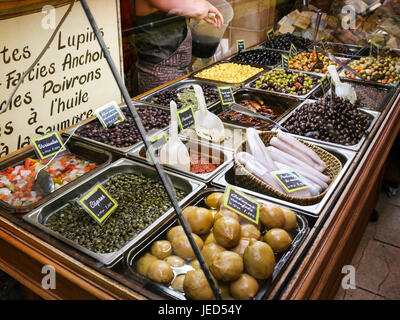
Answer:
(285, 62)
(240, 45)
(226, 95)
(48, 145)
(374, 50)
(290, 180)
(109, 114)
(270, 33)
(293, 51)
(325, 84)
(186, 117)
(324, 43)
(98, 203)
(159, 141)
(242, 205)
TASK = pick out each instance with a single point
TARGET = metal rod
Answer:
(168, 187)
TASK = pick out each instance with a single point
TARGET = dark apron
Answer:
(149, 75)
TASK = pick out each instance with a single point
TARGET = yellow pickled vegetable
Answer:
(229, 72)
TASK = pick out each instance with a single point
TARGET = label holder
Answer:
(42, 153)
(113, 108)
(231, 192)
(185, 123)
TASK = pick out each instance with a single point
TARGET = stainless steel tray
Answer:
(346, 157)
(231, 59)
(101, 157)
(305, 96)
(389, 90)
(39, 217)
(210, 151)
(238, 84)
(280, 104)
(265, 286)
(222, 145)
(374, 116)
(185, 83)
(116, 150)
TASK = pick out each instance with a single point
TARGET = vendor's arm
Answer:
(197, 9)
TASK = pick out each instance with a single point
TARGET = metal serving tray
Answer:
(280, 104)
(265, 286)
(238, 84)
(185, 83)
(40, 216)
(101, 157)
(373, 115)
(258, 48)
(120, 151)
(354, 49)
(389, 90)
(342, 59)
(305, 96)
(222, 145)
(346, 157)
(211, 152)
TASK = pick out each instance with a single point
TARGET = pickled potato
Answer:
(272, 216)
(226, 232)
(161, 249)
(200, 220)
(278, 239)
(175, 261)
(290, 219)
(242, 245)
(160, 271)
(195, 286)
(259, 259)
(244, 288)
(225, 213)
(144, 263)
(210, 239)
(195, 264)
(209, 251)
(250, 231)
(182, 248)
(214, 200)
(227, 266)
(177, 284)
(175, 232)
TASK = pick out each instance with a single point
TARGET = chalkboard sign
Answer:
(48, 145)
(293, 51)
(98, 203)
(226, 95)
(110, 114)
(325, 84)
(285, 62)
(270, 33)
(374, 50)
(240, 45)
(290, 180)
(242, 205)
(159, 140)
(186, 117)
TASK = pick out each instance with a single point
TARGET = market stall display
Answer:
(306, 60)
(338, 121)
(124, 135)
(383, 69)
(229, 72)
(284, 42)
(184, 95)
(260, 57)
(244, 258)
(286, 82)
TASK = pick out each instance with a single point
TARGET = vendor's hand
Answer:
(214, 16)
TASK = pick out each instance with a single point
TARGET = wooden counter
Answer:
(314, 273)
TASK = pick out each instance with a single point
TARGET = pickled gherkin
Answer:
(141, 201)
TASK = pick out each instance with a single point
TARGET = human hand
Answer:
(214, 16)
